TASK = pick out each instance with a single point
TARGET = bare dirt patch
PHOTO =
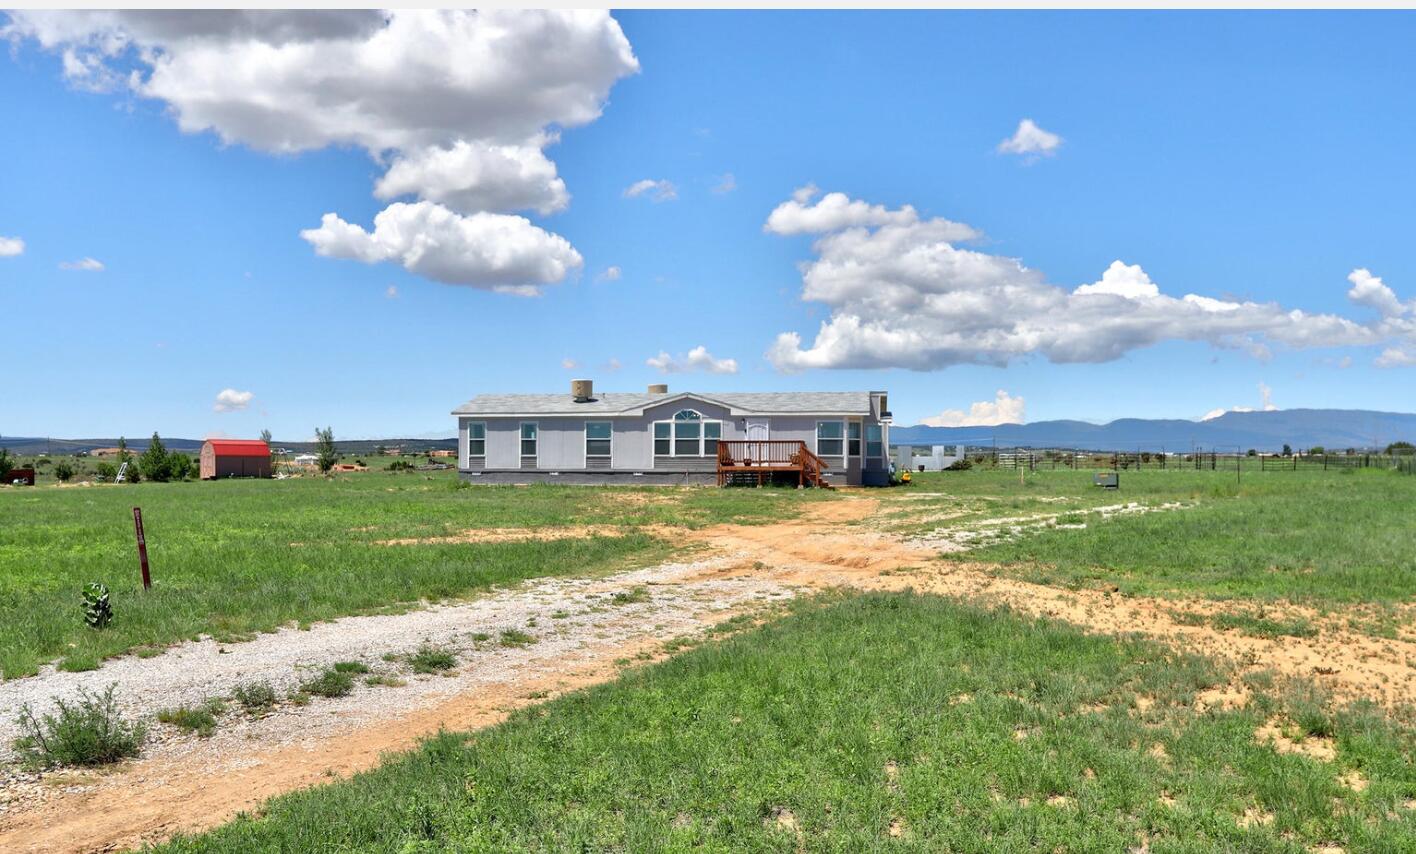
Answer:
(508, 535)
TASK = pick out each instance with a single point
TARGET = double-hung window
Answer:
(597, 438)
(687, 435)
(528, 438)
(830, 438)
(476, 439)
(874, 441)
(853, 438)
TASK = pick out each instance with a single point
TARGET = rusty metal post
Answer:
(142, 547)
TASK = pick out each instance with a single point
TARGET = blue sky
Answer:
(1255, 159)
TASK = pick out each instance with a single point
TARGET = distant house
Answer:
(235, 458)
(442, 452)
(109, 452)
(822, 438)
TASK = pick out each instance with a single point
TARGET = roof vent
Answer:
(659, 388)
(582, 390)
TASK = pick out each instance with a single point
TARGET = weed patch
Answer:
(330, 683)
(89, 731)
(430, 659)
(516, 638)
(195, 719)
(254, 696)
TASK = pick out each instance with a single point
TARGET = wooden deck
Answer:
(744, 459)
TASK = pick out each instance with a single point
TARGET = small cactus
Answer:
(98, 613)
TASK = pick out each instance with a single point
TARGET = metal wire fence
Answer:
(1055, 459)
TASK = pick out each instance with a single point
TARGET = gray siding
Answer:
(561, 444)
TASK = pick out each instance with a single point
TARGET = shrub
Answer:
(430, 659)
(254, 696)
(182, 466)
(7, 464)
(105, 472)
(961, 464)
(64, 471)
(330, 683)
(200, 719)
(89, 731)
(98, 611)
(400, 465)
(350, 667)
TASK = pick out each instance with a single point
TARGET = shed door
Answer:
(757, 431)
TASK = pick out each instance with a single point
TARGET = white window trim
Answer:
(483, 455)
(673, 439)
(520, 437)
(816, 441)
(590, 456)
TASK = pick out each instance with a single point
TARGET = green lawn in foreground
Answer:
(1313, 536)
(235, 557)
(969, 730)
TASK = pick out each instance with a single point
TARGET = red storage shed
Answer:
(235, 458)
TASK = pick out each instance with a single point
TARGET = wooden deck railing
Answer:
(762, 456)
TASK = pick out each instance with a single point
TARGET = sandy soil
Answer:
(196, 784)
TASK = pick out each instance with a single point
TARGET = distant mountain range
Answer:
(30, 445)
(1264, 431)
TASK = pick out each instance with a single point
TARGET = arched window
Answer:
(689, 434)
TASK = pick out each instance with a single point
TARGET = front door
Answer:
(757, 431)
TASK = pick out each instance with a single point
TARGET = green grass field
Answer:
(1310, 536)
(232, 558)
(880, 722)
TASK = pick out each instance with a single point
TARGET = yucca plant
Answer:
(98, 612)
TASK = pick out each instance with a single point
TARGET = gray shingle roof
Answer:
(619, 403)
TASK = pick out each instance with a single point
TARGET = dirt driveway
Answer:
(187, 784)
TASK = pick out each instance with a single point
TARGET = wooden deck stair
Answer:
(746, 460)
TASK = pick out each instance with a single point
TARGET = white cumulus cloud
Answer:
(835, 211)
(459, 105)
(83, 265)
(11, 246)
(610, 274)
(902, 294)
(1395, 357)
(661, 190)
(1003, 409)
(1124, 280)
(1370, 291)
(476, 175)
(231, 400)
(1030, 140)
(491, 251)
(1266, 404)
(697, 359)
